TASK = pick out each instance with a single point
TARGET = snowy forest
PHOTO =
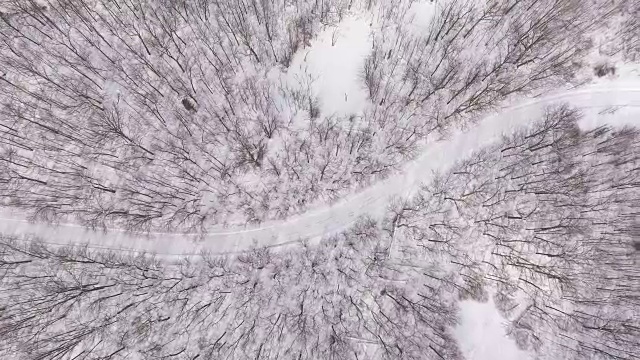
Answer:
(182, 115)
(174, 115)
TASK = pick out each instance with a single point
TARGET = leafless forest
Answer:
(169, 114)
(161, 114)
(551, 216)
(547, 218)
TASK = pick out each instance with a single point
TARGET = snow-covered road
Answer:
(597, 102)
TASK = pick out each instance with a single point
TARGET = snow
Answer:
(618, 116)
(331, 66)
(421, 13)
(436, 157)
(481, 333)
(333, 61)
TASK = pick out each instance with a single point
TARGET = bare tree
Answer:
(548, 215)
(330, 300)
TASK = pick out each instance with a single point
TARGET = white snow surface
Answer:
(334, 62)
(613, 101)
(481, 333)
(420, 15)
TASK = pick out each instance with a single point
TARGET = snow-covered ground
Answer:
(481, 333)
(611, 101)
(333, 62)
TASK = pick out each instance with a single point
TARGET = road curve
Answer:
(438, 156)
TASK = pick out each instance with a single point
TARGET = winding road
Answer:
(615, 102)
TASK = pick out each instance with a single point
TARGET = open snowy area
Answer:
(334, 179)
